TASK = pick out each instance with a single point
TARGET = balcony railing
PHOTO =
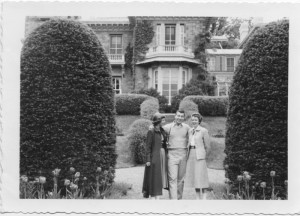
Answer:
(116, 58)
(168, 50)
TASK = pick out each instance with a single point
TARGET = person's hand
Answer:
(151, 127)
(148, 164)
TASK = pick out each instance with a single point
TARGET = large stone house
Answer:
(169, 62)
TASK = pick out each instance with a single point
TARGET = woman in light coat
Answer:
(198, 147)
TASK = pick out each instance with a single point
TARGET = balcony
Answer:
(169, 53)
(116, 58)
(170, 50)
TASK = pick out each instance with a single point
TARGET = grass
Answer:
(216, 154)
(213, 124)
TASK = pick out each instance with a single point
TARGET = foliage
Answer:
(128, 57)
(149, 108)
(129, 104)
(230, 26)
(74, 187)
(137, 137)
(143, 34)
(67, 105)
(163, 101)
(202, 41)
(244, 188)
(189, 107)
(256, 138)
(210, 105)
(194, 87)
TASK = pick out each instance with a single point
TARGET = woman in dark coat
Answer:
(155, 173)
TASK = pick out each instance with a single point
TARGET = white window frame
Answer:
(230, 68)
(114, 82)
(155, 78)
(185, 75)
(168, 41)
(115, 48)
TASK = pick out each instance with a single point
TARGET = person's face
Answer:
(195, 121)
(163, 121)
(179, 117)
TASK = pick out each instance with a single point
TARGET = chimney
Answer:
(244, 30)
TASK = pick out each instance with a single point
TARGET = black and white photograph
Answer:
(188, 106)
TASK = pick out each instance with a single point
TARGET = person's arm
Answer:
(149, 147)
(206, 140)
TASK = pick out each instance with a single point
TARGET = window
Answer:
(158, 35)
(116, 44)
(156, 79)
(170, 82)
(182, 34)
(230, 64)
(170, 35)
(185, 72)
(117, 85)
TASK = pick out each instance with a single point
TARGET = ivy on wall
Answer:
(143, 34)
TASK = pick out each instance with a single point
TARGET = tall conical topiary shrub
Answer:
(256, 138)
(67, 102)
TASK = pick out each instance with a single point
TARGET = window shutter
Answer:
(236, 60)
(162, 34)
(224, 63)
(218, 63)
(158, 31)
(177, 35)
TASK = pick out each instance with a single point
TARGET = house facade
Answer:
(169, 62)
(221, 66)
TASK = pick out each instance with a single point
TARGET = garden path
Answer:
(134, 176)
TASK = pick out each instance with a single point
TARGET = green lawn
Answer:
(213, 124)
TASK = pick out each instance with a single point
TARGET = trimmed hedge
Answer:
(162, 100)
(67, 107)
(137, 136)
(149, 108)
(129, 104)
(194, 87)
(256, 138)
(189, 107)
(210, 105)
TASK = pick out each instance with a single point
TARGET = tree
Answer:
(256, 138)
(67, 102)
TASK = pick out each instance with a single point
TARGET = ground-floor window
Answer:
(170, 78)
(117, 81)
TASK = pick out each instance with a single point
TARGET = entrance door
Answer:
(170, 82)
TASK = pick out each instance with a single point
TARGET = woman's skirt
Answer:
(164, 168)
(196, 172)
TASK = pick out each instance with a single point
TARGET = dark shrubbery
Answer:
(256, 138)
(210, 105)
(67, 106)
(129, 104)
(149, 108)
(162, 100)
(194, 87)
(137, 136)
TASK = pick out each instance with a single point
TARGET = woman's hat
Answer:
(156, 118)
